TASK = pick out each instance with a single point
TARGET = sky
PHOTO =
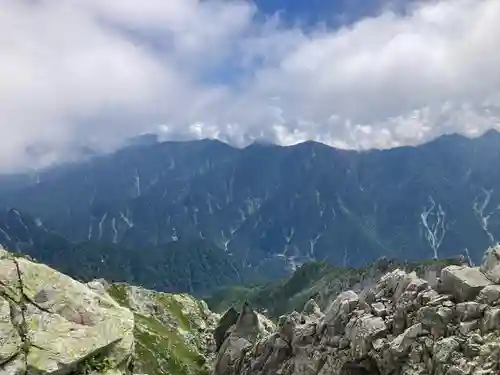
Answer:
(354, 74)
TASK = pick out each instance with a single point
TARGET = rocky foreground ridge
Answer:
(402, 325)
(53, 324)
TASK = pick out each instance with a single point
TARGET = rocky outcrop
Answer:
(403, 325)
(491, 264)
(173, 332)
(248, 328)
(52, 324)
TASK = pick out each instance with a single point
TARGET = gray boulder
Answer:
(490, 295)
(463, 282)
(53, 324)
(467, 311)
(491, 264)
(362, 332)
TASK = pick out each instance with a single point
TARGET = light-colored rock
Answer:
(311, 308)
(435, 319)
(99, 286)
(404, 328)
(489, 294)
(388, 284)
(491, 264)
(401, 344)
(444, 348)
(16, 366)
(337, 314)
(64, 322)
(379, 309)
(463, 282)
(467, 327)
(362, 331)
(247, 331)
(470, 310)
(10, 341)
(491, 320)
(162, 319)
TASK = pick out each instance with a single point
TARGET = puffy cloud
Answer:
(91, 72)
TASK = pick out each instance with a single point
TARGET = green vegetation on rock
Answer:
(173, 332)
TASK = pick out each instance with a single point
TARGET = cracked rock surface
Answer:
(53, 324)
(409, 326)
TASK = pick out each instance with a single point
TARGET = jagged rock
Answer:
(389, 283)
(362, 331)
(171, 330)
(337, 315)
(404, 328)
(99, 286)
(247, 330)
(491, 264)
(466, 311)
(435, 319)
(16, 366)
(379, 309)
(491, 320)
(466, 327)
(444, 348)
(10, 339)
(463, 282)
(229, 318)
(400, 346)
(489, 294)
(61, 323)
(311, 308)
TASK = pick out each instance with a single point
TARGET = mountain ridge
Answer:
(270, 209)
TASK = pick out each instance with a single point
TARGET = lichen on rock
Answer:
(173, 332)
(52, 324)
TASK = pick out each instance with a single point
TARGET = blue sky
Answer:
(348, 73)
(314, 11)
(333, 13)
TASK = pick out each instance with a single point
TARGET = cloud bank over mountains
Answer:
(92, 73)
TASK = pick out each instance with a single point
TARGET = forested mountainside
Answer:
(265, 209)
(195, 266)
(319, 281)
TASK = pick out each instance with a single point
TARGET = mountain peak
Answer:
(490, 133)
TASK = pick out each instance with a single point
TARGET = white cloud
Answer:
(76, 72)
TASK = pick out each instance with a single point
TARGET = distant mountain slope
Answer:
(196, 266)
(273, 207)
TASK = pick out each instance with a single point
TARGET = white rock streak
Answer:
(115, 231)
(312, 245)
(126, 219)
(137, 183)
(435, 230)
(101, 225)
(479, 207)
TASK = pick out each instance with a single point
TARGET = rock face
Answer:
(463, 282)
(52, 324)
(491, 264)
(406, 327)
(173, 332)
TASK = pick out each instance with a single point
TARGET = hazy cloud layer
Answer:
(93, 72)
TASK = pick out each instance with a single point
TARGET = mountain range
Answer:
(204, 209)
